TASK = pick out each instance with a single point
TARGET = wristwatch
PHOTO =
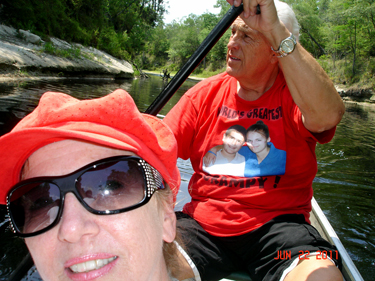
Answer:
(286, 47)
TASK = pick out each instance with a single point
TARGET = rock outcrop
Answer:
(355, 94)
(23, 53)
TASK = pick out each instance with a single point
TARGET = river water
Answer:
(344, 186)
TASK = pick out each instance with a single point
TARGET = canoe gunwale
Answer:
(349, 270)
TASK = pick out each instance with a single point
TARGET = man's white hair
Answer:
(287, 17)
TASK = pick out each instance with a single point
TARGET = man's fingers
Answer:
(246, 8)
(254, 10)
(250, 10)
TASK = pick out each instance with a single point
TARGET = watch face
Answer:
(287, 46)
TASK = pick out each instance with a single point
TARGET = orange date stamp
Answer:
(305, 255)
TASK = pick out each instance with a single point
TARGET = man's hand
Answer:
(209, 159)
(267, 22)
(248, 10)
(210, 156)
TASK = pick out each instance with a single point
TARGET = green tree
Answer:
(309, 18)
(224, 7)
(111, 25)
(157, 48)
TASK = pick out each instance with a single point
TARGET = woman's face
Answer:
(126, 246)
(256, 142)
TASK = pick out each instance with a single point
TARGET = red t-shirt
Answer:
(227, 205)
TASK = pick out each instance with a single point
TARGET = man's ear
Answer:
(169, 221)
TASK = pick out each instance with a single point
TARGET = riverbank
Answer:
(348, 94)
(24, 55)
(195, 78)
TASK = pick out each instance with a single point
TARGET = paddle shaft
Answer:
(194, 60)
(21, 270)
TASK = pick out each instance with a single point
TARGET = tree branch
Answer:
(322, 51)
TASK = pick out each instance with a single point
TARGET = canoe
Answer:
(318, 220)
(321, 223)
(317, 217)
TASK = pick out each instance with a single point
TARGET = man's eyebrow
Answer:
(241, 27)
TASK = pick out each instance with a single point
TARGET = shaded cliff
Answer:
(25, 54)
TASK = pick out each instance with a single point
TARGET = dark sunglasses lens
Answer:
(34, 206)
(112, 186)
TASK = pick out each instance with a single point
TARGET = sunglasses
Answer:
(105, 187)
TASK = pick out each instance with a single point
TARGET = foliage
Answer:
(70, 53)
(116, 26)
(339, 33)
(342, 31)
(181, 39)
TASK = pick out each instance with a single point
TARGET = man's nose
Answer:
(233, 42)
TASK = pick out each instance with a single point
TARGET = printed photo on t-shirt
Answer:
(245, 153)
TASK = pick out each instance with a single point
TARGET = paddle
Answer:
(165, 95)
(21, 270)
(195, 59)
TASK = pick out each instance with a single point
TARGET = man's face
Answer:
(233, 142)
(248, 53)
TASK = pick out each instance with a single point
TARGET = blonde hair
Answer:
(170, 250)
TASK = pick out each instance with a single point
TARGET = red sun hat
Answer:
(112, 121)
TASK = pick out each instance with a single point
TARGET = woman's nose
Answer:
(76, 222)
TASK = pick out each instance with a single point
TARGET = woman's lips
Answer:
(90, 267)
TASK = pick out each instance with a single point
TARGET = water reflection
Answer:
(344, 185)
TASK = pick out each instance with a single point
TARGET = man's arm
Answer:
(181, 119)
(311, 88)
(210, 156)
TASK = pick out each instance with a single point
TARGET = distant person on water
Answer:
(91, 186)
(242, 223)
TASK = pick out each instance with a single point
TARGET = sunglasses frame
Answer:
(153, 182)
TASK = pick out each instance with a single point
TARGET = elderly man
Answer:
(240, 223)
